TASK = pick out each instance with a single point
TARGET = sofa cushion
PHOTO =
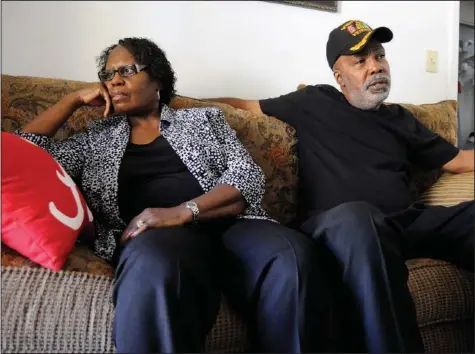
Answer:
(454, 337)
(444, 300)
(81, 300)
(272, 144)
(442, 293)
(55, 312)
(81, 260)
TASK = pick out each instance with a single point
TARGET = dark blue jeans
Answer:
(370, 250)
(170, 280)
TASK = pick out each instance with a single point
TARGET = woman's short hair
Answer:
(147, 53)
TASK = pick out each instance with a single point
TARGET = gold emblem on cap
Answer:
(355, 28)
(362, 42)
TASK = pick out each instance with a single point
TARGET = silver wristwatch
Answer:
(194, 209)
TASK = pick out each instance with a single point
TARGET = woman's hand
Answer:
(155, 218)
(95, 95)
(50, 120)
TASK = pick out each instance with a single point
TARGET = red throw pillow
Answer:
(43, 212)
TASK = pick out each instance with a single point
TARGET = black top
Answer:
(347, 154)
(153, 176)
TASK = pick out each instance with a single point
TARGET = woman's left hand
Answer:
(155, 218)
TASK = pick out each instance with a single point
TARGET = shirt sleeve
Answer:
(428, 150)
(285, 107)
(242, 172)
(69, 153)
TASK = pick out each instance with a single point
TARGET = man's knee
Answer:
(351, 212)
(346, 215)
(350, 225)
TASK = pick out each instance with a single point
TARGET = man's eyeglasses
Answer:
(124, 71)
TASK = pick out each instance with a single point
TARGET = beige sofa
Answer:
(71, 311)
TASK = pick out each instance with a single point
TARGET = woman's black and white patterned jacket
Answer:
(201, 137)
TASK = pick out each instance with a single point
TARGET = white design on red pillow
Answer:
(75, 222)
(89, 214)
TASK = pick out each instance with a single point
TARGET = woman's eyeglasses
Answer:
(124, 71)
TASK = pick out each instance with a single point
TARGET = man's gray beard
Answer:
(366, 100)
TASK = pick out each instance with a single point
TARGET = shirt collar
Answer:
(167, 114)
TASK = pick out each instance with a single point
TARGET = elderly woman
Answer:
(177, 206)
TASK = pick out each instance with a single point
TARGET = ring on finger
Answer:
(140, 224)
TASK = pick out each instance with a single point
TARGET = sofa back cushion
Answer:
(270, 142)
(24, 98)
(272, 145)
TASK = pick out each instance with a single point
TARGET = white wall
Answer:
(251, 49)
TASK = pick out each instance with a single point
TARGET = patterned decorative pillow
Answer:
(440, 117)
(272, 144)
(43, 211)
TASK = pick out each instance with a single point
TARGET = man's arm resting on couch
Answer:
(253, 106)
(247, 105)
(463, 162)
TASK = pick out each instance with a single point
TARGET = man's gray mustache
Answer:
(378, 78)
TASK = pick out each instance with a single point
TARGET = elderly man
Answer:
(354, 159)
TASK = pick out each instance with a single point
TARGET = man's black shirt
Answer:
(347, 154)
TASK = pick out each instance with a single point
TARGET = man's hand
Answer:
(463, 162)
(155, 218)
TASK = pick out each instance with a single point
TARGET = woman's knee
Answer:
(163, 253)
(145, 259)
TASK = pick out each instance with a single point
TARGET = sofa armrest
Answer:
(450, 189)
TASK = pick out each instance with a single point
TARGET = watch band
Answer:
(194, 209)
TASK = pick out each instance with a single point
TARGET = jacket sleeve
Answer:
(242, 172)
(70, 153)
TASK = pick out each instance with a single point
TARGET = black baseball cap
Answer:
(351, 37)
